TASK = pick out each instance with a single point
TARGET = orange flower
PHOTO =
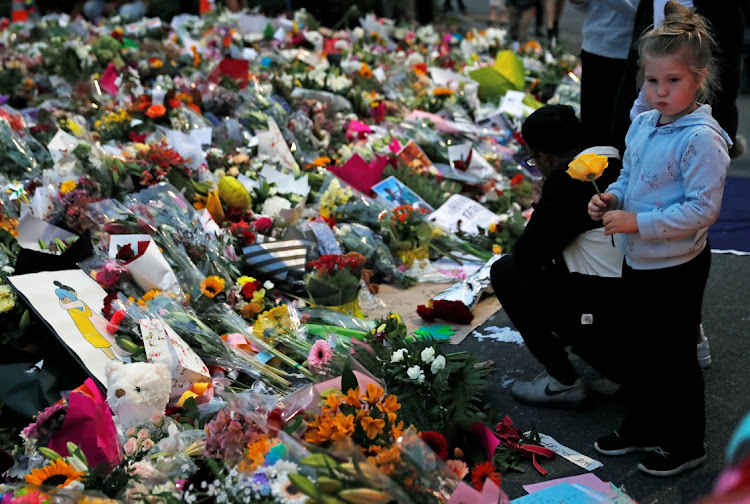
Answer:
(365, 71)
(397, 430)
(58, 474)
(352, 397)
(373, 393)
(442, 92)
(344, 425)
(481, 472)
(332, 401)
(373, 426)
(156, 111)
(255, 454)
(211, 286)
(249, 310)
(389, 405)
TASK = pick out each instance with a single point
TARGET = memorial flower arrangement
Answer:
(410, 234)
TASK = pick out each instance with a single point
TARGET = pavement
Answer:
(726, 319)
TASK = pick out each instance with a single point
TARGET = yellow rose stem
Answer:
(592, 178)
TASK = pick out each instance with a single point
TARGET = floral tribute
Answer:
(409, 233)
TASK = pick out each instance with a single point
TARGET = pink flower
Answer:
(148, 444)
(143, 434)
(320, 354)
(459, 467)
(132, 445)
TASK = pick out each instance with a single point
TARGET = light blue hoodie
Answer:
(673, 178)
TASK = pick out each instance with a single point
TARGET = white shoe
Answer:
(545, 390)
(703, 350)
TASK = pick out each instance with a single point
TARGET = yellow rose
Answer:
(587, 167)
(496, 249)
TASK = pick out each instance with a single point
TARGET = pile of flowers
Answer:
(218, 177)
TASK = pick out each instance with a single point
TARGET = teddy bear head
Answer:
(137, 391)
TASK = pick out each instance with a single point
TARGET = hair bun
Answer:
(678, 17)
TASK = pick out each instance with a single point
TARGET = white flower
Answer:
(415, 58)
(273, 206)
(437, 364)
(414, 372)
(428, 355)
(398, 355)
(421, 377)
(268, 284)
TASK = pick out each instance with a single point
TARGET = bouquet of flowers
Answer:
(335, 283)
(409, 233)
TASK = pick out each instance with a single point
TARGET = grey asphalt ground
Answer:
(726, 319)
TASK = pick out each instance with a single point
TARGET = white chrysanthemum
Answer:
(281, 468)
(273, 206)
(438, 364)
(340, 82)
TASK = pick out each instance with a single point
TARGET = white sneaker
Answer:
(703, 350)
(545, 390)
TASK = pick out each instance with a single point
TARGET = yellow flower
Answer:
(255, 454)
(587, 167)
(272, 319)
(151, 294)
(58, 474)
(497, 249)
(72, 126)
(67, 186)
(96, 500)
(373, 426)
(7, 298)
(211, 286)
(493, 228)
(241, 281)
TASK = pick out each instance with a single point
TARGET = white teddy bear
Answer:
(136, 392)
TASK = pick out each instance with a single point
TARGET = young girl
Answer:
(668, 193)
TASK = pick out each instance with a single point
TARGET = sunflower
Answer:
(58, 474)
(212, 285)
(482, 472)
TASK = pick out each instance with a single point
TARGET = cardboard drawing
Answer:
(70, 303)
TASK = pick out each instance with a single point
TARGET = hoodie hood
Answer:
(698, 117)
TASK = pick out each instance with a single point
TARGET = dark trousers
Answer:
(553, 309)
(600, 77)
(663, 309)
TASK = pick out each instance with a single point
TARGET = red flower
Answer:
(263, 224)
(156, 111)
(249, 288)
(248, 237)
(125, 253)
(481, 472)
(518, 179)
(115, 321)
(451, 311)
(135, 137)
(437, 442)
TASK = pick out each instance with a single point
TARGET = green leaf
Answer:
(305, 486)
(318, 460)
(348, 379)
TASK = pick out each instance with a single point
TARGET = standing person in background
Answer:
(448, 6)
(519, 18)
(607, 32)
(669, 192)
(553, 11)
(495, 6)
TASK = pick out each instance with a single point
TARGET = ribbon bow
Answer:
(512, 437)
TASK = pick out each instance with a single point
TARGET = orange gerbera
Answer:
(255, 453)
(373, 426)
(212, 285)
(156, 111)
(481, 472)
(58, 474)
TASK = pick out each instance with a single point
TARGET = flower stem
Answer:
(596, 188)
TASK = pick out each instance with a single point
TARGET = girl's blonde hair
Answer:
(682, 29)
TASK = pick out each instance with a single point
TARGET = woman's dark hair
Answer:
(553, 129)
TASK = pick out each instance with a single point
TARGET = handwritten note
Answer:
(568, 453)
(563, 492)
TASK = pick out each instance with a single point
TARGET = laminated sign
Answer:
(275, 259)
(164, 345)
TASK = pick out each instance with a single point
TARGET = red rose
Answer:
(263, 224)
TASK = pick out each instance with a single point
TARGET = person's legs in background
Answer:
(553, 11)
(598, 96)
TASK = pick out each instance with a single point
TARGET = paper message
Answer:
(563, 492)
(568, 453)
(589, 480)
(460, 209)
(70, 302)
(272, 143)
